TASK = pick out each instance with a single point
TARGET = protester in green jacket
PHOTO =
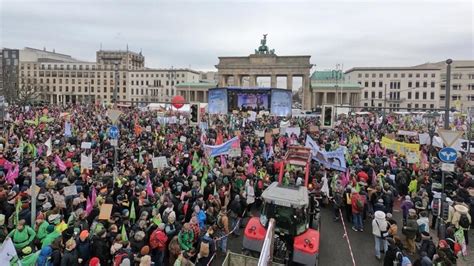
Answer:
(43, 225)
(50, 237)
(22, 236)
(28, 258)
(185, 237)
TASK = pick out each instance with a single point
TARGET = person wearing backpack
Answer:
(427, 245)
(337, 201)
(358, 203)
(207, 248)
(410, 231)
(462, 220)
(158, 241)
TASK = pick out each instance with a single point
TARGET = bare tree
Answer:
(28, 93)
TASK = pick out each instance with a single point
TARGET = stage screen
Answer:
(217, 102)
(281, 102)
(251, 101)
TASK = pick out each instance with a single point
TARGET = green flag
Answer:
(211, 162)
(357, 188)
(132, 214)
(204, 179)
(17, 211)
(196, 163)
(124, 234)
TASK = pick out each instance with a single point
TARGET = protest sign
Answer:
(105, 211)
(260, 133)
(70, 190)
(159, 162)
(59, 201)
(412, 157)
(182, 139)
(252, 115)
(7, 252)
(268, 138)
(86, 161)
(235, 153)
(407, 133)
(291, 130)
(148, 128)
(86, 145)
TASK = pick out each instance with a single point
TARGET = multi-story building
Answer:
(416, 87)
(61, 79)
(158, 85)
(9, 63)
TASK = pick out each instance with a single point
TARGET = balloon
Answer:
(178, 101)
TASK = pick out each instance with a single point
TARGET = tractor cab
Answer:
(296, 238)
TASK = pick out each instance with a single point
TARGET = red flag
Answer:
(219, 138)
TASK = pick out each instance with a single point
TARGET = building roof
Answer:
(197, 84)
(327, 75)
(166, 70)
(426, 66)
(349, 86)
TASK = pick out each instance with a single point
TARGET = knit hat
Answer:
(70, 243)
(407, 197)
(26, 250)
(50, 228)
(54, 218)
(84, 235)
(145, 260)
(412, 212)
(161, 226)
(379, 215)
(145, 250)
(94, 262)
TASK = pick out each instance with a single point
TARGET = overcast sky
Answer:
(195, 32)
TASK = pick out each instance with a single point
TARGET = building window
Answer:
(366, 104)
(418, 75)
(416, 105)
(409, 95)
(425, 84)
(424, 95)
(403, 75)
(395, 75)
(433, 75)
(380, 95)
(410, 75)
(388, 75)
(431, 106)
(380, 104)
(366, 94)
(432, 95)
(366, 84)
(409, 84)
(373, 94)
(373, 84)
(417, 84)
(409, 105)
(424, 106)
(432, 84)
(417, 95)
(380, 84)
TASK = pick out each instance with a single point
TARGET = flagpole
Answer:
(33, 192)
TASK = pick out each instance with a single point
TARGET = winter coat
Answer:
(458, 211)
(22, 238)
(49, 238)
(44, 255)
(42, 230)
(100, 249)
(379, 226)
(70, 258)
(202, 219)
(185, 239)
(354, 198)
(83, 249)
(411, 228)
(56, 257)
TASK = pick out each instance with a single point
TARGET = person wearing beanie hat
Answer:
(380, 232)
(423, 222)
(145, 261)
(42, 226)
(406, 205)
(145, 250)
(84, 246)
(410, 230)
(94, 262)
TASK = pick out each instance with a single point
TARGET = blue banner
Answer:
(217, 101)
(281, 102)
(223, 148)
(329, 159)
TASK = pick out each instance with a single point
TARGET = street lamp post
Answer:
(430, 119)
(448, 94)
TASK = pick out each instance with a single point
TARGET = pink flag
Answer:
(60, 163)
(189, 170)
(223, 161)
(31, 133)
(88, 206)
(393, 162)
(251, 169)
(236, 144)
(13, 174)
(93, 196)
(345, 178)
(248, 151)
(7, 165)
(149, 188)
(374, 177)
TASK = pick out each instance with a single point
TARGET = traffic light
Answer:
(194, 113)
(328, 116)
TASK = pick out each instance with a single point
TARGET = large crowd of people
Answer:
(106, 201)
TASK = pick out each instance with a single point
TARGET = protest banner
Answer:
(291, 130)
(70, 190)
(86, 145)
(252, 116)
(260, 133)
(105, 211)
(329, 159)
(399, 147)
(235, 153)
(407, 133)
(7, 252)
(86, 161)
(159, 162)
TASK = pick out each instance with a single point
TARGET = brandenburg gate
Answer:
(235, 70)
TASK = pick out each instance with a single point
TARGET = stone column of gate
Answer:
(273, 81)
(252, 80)
(289, 82)
(236, 80)
(325, 98)
(306, 93)
(222, 81)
